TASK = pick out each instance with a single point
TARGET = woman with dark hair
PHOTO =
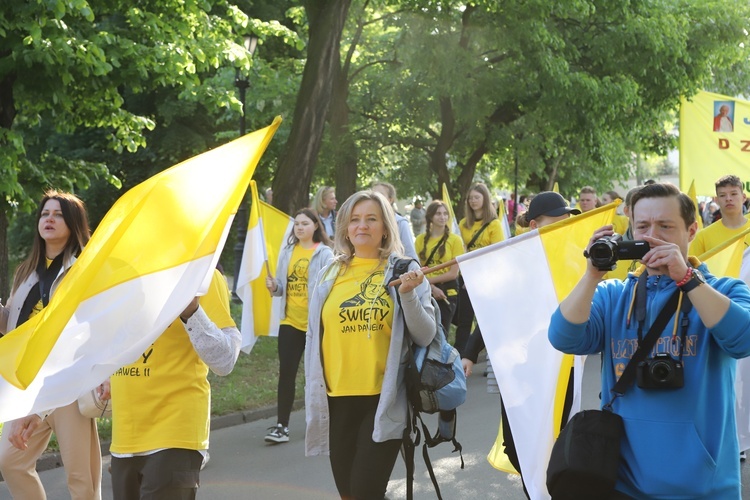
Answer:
(479, 228)
(62, 232)
(357, 347)
(436, 246)
(306, 253)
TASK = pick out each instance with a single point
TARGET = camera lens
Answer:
(601, 252)
(661, 371)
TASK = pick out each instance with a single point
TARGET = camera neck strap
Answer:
(645, 346)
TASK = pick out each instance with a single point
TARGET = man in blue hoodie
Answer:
(680, 442)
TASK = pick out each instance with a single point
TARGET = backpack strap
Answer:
(409, 445)
(431, 442)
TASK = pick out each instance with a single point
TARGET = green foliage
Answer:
(74, 66)
(568, 88)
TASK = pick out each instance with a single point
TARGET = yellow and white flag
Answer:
(152, 253)
(726, 260)
(714, 140)
(453, 222)
(267, 231)
(532, 375)
(730, 259)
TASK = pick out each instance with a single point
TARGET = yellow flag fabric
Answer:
(532, 375)
(152, 253)
(267, 231)
(497, 457)
(694, 197)
(556, 188)
(453, 222)
(714, 140)
(725, 260)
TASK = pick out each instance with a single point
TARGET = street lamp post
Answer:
(242, 83)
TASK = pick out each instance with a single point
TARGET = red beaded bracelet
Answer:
(688, 275)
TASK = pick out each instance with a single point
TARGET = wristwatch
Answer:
(695, 280)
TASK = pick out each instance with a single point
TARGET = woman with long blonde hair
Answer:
(357, 347)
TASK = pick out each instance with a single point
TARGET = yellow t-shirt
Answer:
(163, 399)
(357, 318)
(296, 288)
(453, 247)
(621, 223)
(492, 234)
(714, 235)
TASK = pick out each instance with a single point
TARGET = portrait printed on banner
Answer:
(723, 116)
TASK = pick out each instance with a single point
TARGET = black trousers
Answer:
(361, 467)
(465, 318)
(447, 310)
(291, 349)
(172, 474)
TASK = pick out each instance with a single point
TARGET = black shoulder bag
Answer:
(584, 459)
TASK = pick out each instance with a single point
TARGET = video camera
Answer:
(605, 252)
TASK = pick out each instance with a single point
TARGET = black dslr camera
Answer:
(605, 252)
(660, 372)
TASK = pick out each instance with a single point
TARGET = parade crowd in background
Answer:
(331, 280)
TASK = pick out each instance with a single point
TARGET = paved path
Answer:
(242, 466)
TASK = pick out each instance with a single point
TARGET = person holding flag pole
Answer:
(62, 232)
(436, 245)
(307, 251)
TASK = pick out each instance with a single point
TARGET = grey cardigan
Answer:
(391, 414)
(321, 257)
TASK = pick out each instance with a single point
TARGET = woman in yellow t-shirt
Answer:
(479, 229)
(436, 246)
(62, 232)
(357, 347)
(306, 253)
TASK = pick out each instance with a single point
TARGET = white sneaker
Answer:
(278, 434)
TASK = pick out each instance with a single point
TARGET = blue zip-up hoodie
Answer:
(679, 443)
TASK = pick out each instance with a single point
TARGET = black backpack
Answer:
(435, 383)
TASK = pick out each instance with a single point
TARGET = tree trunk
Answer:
(439, 155)
(466, 177)
(345, 149)
(291, 184)
(4, 276)
(7, 115)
